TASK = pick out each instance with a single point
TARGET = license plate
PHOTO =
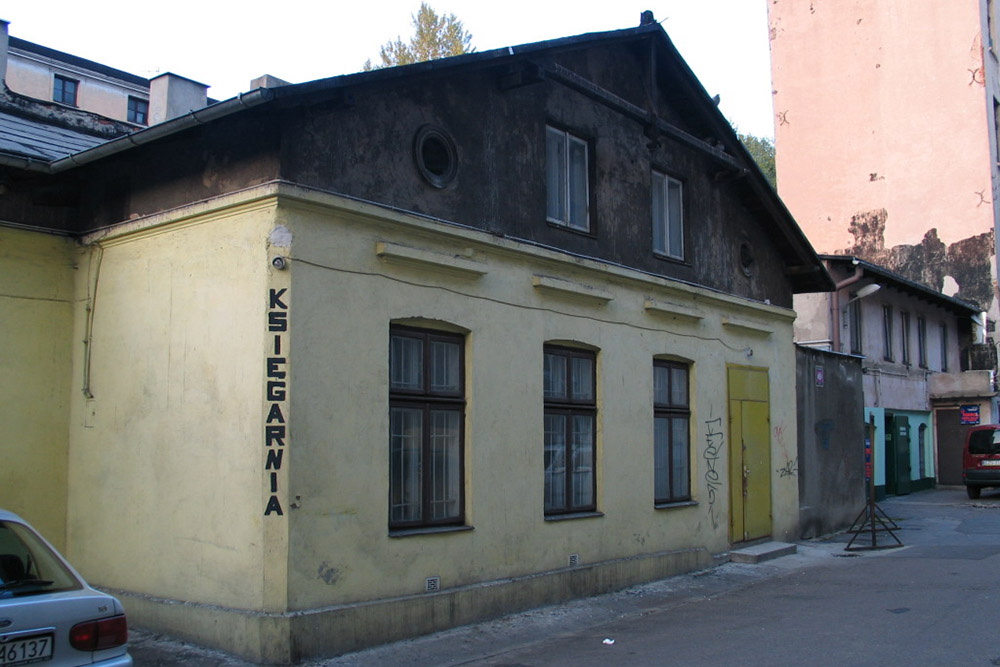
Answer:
(992, 463)
(26, 651)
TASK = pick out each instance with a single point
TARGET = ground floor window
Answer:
(426, 417)
(570, 418)
(671, 432)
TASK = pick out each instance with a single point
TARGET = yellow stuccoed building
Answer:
(290, 388)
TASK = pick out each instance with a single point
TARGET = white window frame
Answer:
(668, 216)
(60, 83)
(565, 194)
(137, 110)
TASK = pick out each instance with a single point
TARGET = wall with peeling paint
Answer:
(884, 135)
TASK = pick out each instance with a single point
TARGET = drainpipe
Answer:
(4, 46)
(858, 274)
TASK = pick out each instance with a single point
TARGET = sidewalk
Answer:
(937, 526)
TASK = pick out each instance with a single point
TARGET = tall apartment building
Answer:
(886, 152)
(886, 138)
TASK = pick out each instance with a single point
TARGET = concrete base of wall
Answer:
(292, 636)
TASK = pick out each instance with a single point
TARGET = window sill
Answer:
(670, 258)
(428, 530)
(573, 515)
(589, 232)
(679, 503)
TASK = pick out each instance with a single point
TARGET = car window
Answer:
(28, 566)
(984, 442)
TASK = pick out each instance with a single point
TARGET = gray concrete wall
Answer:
(831, 440)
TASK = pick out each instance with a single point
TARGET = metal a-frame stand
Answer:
(871, 520)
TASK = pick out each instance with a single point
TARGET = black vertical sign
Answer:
(276, 390)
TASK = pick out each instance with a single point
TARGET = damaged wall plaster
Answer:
(966, 263)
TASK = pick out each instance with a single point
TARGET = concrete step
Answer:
(758, 553)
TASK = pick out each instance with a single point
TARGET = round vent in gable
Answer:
(435, 155)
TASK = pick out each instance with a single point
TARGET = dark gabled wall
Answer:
(366, 150)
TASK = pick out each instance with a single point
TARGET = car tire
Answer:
(973, 492)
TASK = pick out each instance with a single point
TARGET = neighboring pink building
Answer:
(885, 134)
(886, 155)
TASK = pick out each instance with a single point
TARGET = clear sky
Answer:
(226, 44)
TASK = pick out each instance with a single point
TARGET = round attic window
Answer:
(436, 156)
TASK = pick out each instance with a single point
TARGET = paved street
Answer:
(932, 602)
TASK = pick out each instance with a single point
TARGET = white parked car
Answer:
(48, 613)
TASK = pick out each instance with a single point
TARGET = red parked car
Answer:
(981, 459)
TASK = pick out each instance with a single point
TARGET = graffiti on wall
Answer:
(276, 391)
(715, 440)
(791, 465)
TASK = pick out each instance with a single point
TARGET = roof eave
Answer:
(903, 284)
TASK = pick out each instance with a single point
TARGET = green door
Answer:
(901, 433)
(749, 454)
(889, 455)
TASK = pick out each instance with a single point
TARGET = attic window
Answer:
(64, 90)
(435, 155)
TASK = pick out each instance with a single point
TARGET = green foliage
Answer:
(434, 37)
(762, 151)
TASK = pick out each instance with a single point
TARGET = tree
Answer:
(434, 37)
(762, 151)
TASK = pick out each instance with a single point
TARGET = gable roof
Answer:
(533, 62)
(884, 276)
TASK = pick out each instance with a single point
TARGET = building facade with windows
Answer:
(36, 73)
(915, 345)
(43, 73)
(376, 355)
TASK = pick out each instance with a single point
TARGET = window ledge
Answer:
(746, 326)
(429, 530)
(670, 258)
(566, 288)
(679, 503)
(674, 310)
(573, 515)
(456, 265)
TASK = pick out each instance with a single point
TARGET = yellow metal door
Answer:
(749, 454)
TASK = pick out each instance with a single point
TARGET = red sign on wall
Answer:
(868, 456)
(969, 414)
